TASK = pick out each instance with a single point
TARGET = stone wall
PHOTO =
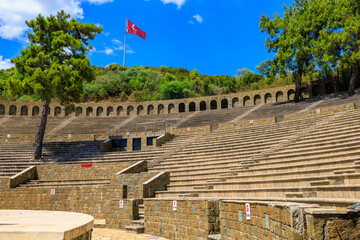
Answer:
(267, 221)
(193, 219)
(190, 130)
(274, 220)
(134, 183)
(320, 112)
(101, 109)
(53, 138)
(75, 171)
(101, 201)
(249, 123)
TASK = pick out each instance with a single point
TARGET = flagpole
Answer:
(125, 40)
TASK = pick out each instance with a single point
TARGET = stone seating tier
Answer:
(318, 159)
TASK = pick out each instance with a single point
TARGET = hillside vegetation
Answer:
(117, 83)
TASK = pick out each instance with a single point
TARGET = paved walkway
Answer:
(111, 234)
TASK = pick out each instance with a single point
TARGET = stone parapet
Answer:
(22, 177)
(190, 130)
(76, 171)
(286, 220)
(248, 123)
(52, 138)
(193, 219)
(156, 183)
(320, 112)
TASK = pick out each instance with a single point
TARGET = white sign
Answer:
(174, 205)
(251, 121)
(52, 192)
(318, 111)
(8, 136)
(121, 204)
(247, 207)
(188, 129)
(69, 135)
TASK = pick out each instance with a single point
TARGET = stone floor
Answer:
(111, 234)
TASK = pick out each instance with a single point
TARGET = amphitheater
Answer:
(252, 165)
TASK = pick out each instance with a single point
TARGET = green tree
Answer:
(290, 38)
(174, 90)
(54, 64)
(339, 40)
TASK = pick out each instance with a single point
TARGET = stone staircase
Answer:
(138, 225)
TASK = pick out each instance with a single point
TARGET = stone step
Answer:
(135, 229)
(347, 171)
(214, 237)
(202, 187)
(319, 182)
(99, 223)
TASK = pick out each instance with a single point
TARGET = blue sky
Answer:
(213, 36)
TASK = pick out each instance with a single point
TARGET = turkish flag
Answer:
(131, 28)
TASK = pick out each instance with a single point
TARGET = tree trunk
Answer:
(41, 132)
(298, 84)
(353, 79)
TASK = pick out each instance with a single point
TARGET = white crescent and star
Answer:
(133, 27)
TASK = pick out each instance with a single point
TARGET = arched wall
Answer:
(106, 109)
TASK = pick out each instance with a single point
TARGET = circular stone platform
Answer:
(44, 225)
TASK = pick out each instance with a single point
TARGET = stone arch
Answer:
(119, 110)
(329, 88)
(35, 111)
(12, 110)
(279, 96)
(129, 110)
(291, 94)
(67, 111)
(224, 104)
(89, 111)
(235, 102)
(257, 99)
(2, 109)
(24, 110)
(171, 108)
(181, 107)
(202, 106)
(99, 111)
(246, 101)
(57, 111)
(213, 105)
(139, 110)
(78, 111)
(268, 98)
(150, 110)
(161, 109)
(192, 107)
(315, 90)
(109, 111)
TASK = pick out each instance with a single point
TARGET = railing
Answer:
(127, 129)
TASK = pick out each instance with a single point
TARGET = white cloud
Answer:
(117, 45)
(13, 13)
(5, 64)
(198, 18)
(99, 1)
(191, 22)
(109, 51)
(179, 3)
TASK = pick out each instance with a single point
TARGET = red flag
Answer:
(131, 28)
